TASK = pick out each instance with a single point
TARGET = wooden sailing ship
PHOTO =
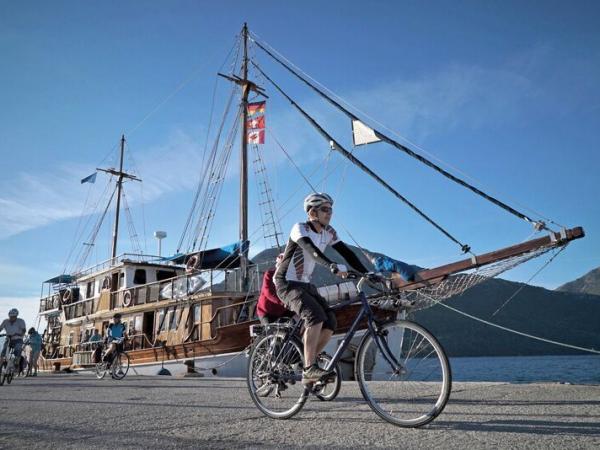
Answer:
(196, 308)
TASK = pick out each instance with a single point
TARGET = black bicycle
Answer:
(402, 370)
(8, 367)
(117, 365)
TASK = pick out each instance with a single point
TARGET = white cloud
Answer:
(31, 201)
(28, 309)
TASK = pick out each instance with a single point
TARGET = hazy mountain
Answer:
(587, 284)
(563, 316)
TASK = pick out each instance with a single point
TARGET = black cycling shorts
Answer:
(305, 300)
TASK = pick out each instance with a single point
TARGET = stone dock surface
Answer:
(77, 411)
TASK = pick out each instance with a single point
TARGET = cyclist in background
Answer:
(15, 330)
(115, 331)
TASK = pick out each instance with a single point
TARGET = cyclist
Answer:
(115, 330)
(15, 330)
(305, 247)
(34, 340)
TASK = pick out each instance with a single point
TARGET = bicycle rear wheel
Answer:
(275, 376)
(120, 366)
(100, 370)
(408, 383)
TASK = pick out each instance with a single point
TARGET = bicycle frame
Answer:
(365, 311)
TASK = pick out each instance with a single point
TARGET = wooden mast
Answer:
(119, 190)
(244, 163)
(120, 176)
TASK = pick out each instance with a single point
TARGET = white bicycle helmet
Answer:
(316, 199)
(13, 312)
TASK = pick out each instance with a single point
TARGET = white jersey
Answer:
(297, 263)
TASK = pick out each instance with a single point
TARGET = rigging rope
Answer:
(383, 126)
(95, 231)
(511, 330)
(200, 186)
(529, 280)
(402, 147)
(464, 247)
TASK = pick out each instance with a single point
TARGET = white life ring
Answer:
(127, 298)
(191, 263)
(106, 282)
(66, 297)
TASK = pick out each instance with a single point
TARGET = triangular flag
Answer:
(362, 134)
(89, 179)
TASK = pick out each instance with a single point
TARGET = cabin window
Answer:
(196, 314)
(174, 320)
(140, 276)
(160, 322)
(121, 280)
(164, 275)
(89, 291)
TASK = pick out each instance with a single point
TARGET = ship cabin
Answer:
(161, 304)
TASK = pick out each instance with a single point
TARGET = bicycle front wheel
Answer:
(275, 376)
(120, 366)
(2, 373)
(403, 374)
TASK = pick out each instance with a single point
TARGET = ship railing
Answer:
(124, 257)
(231, 314)
(49, 303)
(203, 283)
(79, 309)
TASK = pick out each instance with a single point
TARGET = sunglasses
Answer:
(326, 209)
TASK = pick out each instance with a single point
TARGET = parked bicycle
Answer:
(117, 364)
(401, 369)
(8, 367)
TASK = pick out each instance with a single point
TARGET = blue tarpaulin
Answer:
(226, 257)
(64, 278)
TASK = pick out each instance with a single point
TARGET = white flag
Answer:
(362, 134)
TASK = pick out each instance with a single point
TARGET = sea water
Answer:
(574, 369)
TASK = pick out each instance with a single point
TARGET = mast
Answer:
(244, 162)
(120, 176)
(119, 190)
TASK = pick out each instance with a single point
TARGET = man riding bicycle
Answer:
(15, 330)
(115, 333)
(305, 247)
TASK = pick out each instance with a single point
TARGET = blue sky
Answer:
(505, 92)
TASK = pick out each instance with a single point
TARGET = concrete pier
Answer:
(76, 411)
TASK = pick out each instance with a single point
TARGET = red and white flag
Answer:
(256, 123)
(256, 136)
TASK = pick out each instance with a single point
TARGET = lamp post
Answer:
(160, 235)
